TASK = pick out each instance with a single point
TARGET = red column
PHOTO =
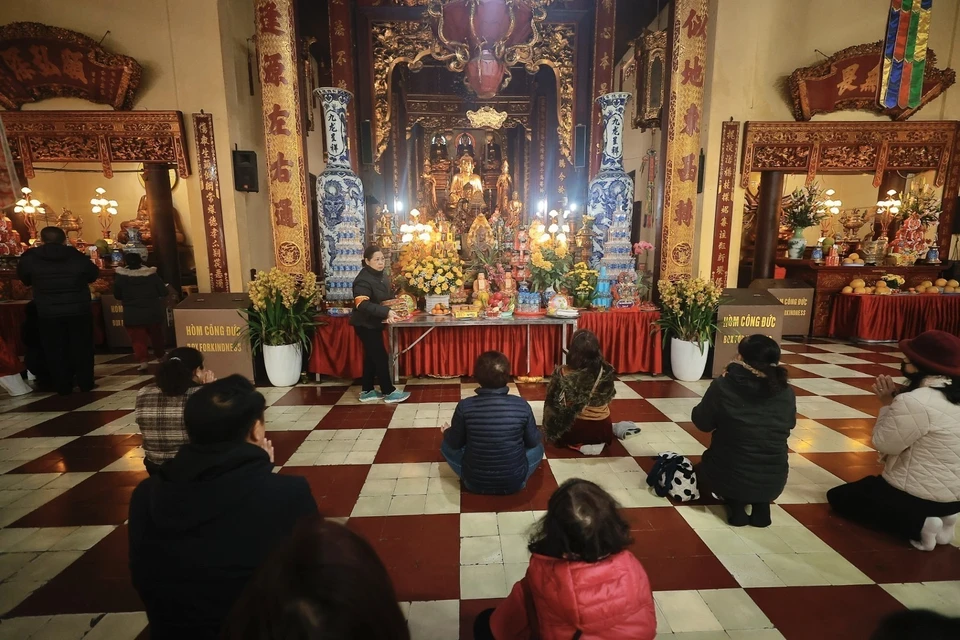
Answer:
(343, 64)
(602, 72)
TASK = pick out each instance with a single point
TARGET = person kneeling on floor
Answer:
(917, 433)
(751, 410)
(492, 442)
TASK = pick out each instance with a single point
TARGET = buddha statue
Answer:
(142, 222)
(504, 187)
(428, 190)
(464, 178)
(514, 211)
(464, 145)
(480, 239)
(492, 156)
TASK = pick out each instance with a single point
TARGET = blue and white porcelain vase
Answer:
(341, 202)
(134, 245)
(612, 189)
(797, 244)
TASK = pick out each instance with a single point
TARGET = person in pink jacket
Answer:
(582, 583)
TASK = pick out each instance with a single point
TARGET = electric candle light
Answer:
(29, 207)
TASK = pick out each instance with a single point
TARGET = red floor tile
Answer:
(364, 416)
(808, 347)
(796, 358)
(661, 389)
(533, 391)
(878, 358)
(872, 370)
(862, 383)
(90, 453)
(635, 410)
(702, 437)
(816, 613)
(97, 582)
(75, 423)
(335, 488)
(66, 403)
(101, 499)
(859, 429)
(285, 443)
(469, 610)
(410, 445)
(615, 450)
(311, 395)
(793, 372)
(421, 553)
(434, 392)
(533, 497)
(849, 466)
(867, 404)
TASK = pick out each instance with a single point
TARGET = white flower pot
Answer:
(283, 363)
(688, 359)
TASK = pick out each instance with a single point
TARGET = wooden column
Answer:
(768, 224)
(602, 72)
(163, 229)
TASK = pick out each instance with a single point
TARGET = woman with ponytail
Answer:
(750, 410)
(159, 412)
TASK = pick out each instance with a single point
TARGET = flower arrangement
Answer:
(282, 309)
(495, 274)
(549, 261)
(893, 280)
(921, 200)
(689, 309)
(581, 282)
(431, 275)
(806, 207)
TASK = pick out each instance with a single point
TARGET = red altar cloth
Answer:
(625, 338)
(13, 314)
(892, 318)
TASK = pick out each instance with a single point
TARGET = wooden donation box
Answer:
(744, 313)
(116, 332)
(796, 296)
(211, 324)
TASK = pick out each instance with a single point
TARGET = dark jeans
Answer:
(376, 362)
(68, 349)
(872, 502)
(454, 458)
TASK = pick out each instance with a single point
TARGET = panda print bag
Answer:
(673, 475)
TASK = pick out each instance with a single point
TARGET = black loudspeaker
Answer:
(366, 142)
(245, 177)
(580, 146)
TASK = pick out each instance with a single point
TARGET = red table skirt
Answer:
(13, 314)
(625, 337)
(890, 318)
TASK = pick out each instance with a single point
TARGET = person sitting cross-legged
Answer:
(203, 523)
(492, 442)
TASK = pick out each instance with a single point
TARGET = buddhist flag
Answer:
(905, 53)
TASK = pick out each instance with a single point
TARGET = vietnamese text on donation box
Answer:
(211, 324)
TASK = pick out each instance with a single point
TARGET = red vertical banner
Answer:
(343, 65)
(603, 64)
(9, 185)
(212, 207)
(729, 137)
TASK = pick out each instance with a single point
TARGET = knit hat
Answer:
(934, 351)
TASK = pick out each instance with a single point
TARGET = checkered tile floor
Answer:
(69, 466)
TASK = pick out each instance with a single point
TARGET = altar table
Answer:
(427, 345)
(891, 318)
(14, 312)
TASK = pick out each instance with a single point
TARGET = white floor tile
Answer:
(437, 620)
(686, 611)
(481, 581)
(734, 609)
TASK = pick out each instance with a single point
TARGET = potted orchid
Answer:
(688, 315)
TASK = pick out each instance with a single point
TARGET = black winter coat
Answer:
(496, 429)
(199, 529)
(59, 275)
(747, 458)
(369, 290)
(142, 293)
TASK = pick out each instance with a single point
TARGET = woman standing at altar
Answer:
(370, 290)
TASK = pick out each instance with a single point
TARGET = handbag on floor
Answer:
(673, 475)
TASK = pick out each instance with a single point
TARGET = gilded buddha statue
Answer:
(464, 178)
(142, 222)
(504, 188)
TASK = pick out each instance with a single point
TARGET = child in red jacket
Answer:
(582, 581)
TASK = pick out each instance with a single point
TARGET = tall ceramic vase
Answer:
(797, 244)
(341, 202)
(612, 189)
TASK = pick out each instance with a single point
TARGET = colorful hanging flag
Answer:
(905, 53)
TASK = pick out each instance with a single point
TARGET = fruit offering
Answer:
(439, 310)
(853, 260)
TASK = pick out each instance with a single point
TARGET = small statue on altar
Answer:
(491, 156)
(464, 178)
(496, 223)
(480, 239)
(464, 146)
(909, 240)
(514, 211)
(10, 244)
(439, 155)
(428, 190)
(504, 187)
(384, 232)
(625, 291)
(509, 284)
(142, 222)
(481, 289)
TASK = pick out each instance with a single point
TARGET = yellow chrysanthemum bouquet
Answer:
(549, 258)
(431, 275)
(689, 309)
(581, 283)
(282, 309)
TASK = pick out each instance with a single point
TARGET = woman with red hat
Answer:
(918, 436)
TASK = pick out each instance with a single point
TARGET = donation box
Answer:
(211, 324)
(744, 313)
(113, 321)
(797, 299)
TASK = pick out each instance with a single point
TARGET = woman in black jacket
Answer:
(142, 292)
(750, 410)
(369, 291)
